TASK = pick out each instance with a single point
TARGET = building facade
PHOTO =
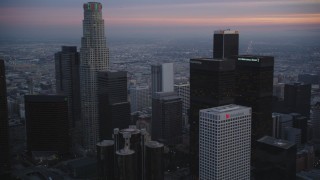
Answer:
(161, 78)
(211, 84)
(105, 159)
(47, 123)
(67, 65)
(94, 57)
(114, 108)
(315, 119)
(280, 122)
(225, 44)
(183, 91)
(276, 159)
(297, 97)
(225, 142)
(301, 122)
(4, 124)
(154, 163)
(139, 98)
(254, 88)
(166, 118)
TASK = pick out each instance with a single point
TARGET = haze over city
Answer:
(160, 90)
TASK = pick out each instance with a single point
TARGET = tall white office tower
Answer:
(225, 142)
(161, 78)
(183, 91)
(94, 57)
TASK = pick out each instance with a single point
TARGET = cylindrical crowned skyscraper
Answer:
(94, 57)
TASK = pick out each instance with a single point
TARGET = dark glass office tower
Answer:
(166, 118)
(276, 159)
(297, 98)
(211, 84)
(114, 108)
(105, 159)
(154, 161)
(254, 86)
(4, 131)
(225, 44)
(47, 124)
(300, 122)
(67, 64)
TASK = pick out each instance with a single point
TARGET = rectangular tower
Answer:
(225, 142)
(94, 57)
(315, 119)
(297, 97)
(4, 129)
(183, 91)
(166, 118)
(47, 124)
(114, 108)
(254, 86)
(140, 98)
(67, 65)
(161, 78)
(301, 122)
(211, 84)
(279, 123)
(225, 44)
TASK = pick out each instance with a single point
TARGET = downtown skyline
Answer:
(60, 19)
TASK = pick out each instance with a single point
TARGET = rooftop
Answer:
(105, 143)
(226, 31)
(154, 144)
(276, 142)
(206, 59)
(224, 109)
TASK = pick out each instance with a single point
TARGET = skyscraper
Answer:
(67, 64)
(225, 44)
(4, 129)
(94, 57)
(161, 78)
(166, 118)
(47, 124)
(225, 142)
(315, 119)
(114, 108)
(254, 86)
(154, 164)
(297, 97)
(105, 158)
(211, 84)
(301, 122)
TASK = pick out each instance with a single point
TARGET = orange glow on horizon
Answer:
(73, 17)
(238, 21)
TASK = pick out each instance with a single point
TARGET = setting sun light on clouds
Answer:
(152, 13)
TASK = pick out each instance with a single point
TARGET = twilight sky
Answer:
(63, 18)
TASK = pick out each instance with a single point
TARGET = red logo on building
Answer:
(227, 116)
